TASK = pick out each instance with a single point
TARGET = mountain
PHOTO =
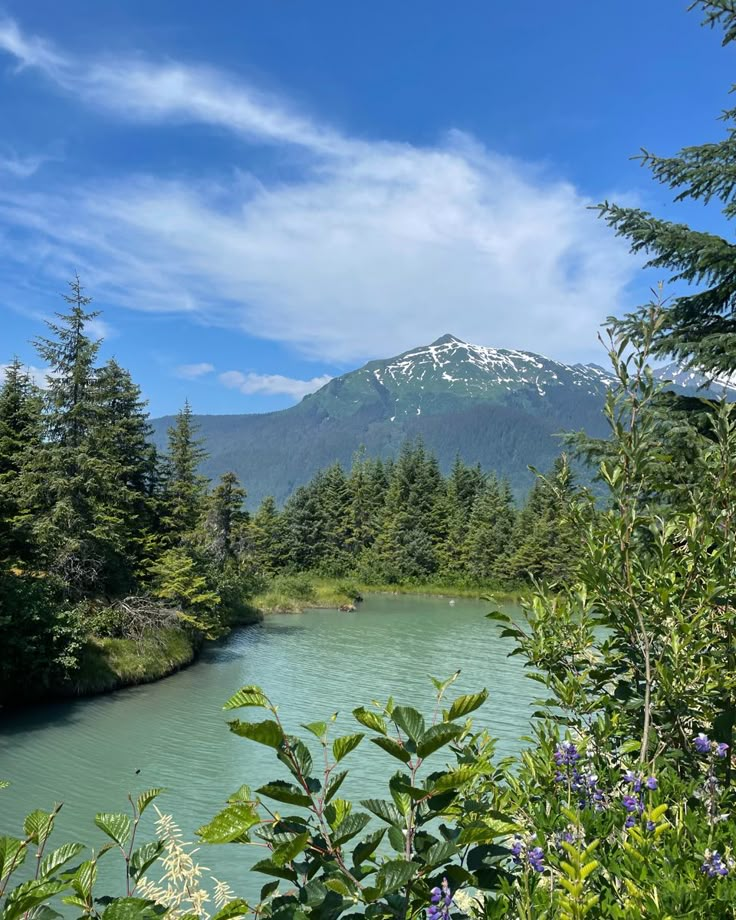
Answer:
(501, 408)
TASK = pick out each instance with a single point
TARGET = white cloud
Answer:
(376, 247)
(271, 384)
(194, 371)
(21, 167)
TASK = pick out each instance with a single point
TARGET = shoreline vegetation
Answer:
(110, 664)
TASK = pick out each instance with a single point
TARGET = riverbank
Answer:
(297, 593)
(113, 664)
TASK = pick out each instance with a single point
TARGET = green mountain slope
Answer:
(500, 408)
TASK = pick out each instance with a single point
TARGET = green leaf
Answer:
(440, 853)
(410, 720)
(235, 908)
(341, 747)
(267, 732)
(318, 729)
(368, 846)
(145, 799)
(30, 895)
(438, 736)
(4, 784)
(384, 810)
(395, 874)
(299, 753)
(337, 780)
(629, 747)
(281, 791)
(454, 779)
(393, 748)
(348, 828)
(247, 696)
(12, 854)
(465, 704)
(144, 857)
(370, 719)
(442, 685)
(38, 825)
(131, 909)
(116, 826)
(289, 850)
(243, 794)
(232, 823)
(84, 878)
(58, 858)
(270, 868)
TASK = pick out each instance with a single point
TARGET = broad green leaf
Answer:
(465, 704)
(58, 858)
(289, 850)
(30, 895)
(270, 868)
(341, 747)
(247, 696)
(313, 893)
(368, 846)
(131, 909)
(392, 747)
(243, 794)
(410, 721)
(84, 878)
(337, 780)
(384, 810)
(442, 685)
(143, 857)
(281, 791)
(629, 747)
(440, 853)
(38, 825)
(236, 908)
(438, 736)
(232, 823)
(145, 799)
(454, 779)
(267, 732)
(395, 874)
(318, 729)
(370, 719)
(116, 826)
(300, 753)
(12, 854)
(348, 828)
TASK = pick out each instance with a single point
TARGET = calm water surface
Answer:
(86, 753)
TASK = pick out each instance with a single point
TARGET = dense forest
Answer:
(104, 540)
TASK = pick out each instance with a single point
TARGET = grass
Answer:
(296, 593)
(108, 664)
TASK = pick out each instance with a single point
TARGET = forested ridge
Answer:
(110, 549)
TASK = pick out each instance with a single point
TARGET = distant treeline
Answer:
(397, 521)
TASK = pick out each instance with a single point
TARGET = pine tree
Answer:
(305, 528)
(225, 522)
(266, 537)
(20, 438)
(184, 487)
(700, 327)
(334, 498)
(63, 481)
(490, 531)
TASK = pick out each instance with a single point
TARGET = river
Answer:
(88, 753)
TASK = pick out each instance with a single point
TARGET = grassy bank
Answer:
(109, 664)
(296, 593)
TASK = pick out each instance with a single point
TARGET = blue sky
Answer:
(261, 195)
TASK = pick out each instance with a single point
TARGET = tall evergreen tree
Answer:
(225, 521)
(490, 531)
(20, 438)
(184, 487)
(266, 537)
(700, 326)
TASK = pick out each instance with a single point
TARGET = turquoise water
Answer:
(87, 753)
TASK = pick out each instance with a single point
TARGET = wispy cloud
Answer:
(194, 371)
(271, 384)
(39, 375)
(372, 248)
(21, 167)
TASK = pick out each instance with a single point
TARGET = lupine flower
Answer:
(713, 864)
(536, 859)
(702, 744)
(651, 783)
(630, 803)
(566, 754)
(441, 899)
(721, 749)
(516, 848)
(651, 826)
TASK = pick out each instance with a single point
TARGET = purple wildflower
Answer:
(630, 803)
(566, 754)
(441, 899)
(713, 864)
(651, 783)
(702, 744)
(536, 859)
(516, 848)
(721, 749)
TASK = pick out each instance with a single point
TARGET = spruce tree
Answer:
(225, 522)
(20, 439)
(490, 531)
(266, 537)
(700, 325)
(184, 487)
